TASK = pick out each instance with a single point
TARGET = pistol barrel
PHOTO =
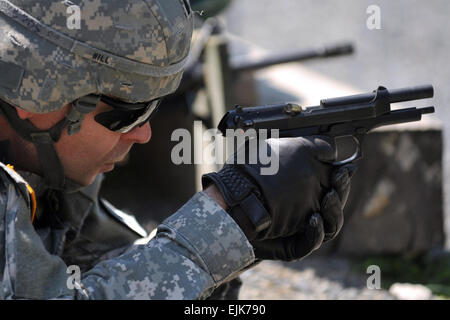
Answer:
(427, 110)
(411, 93)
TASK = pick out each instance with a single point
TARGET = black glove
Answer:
(276, 211)
(321, 227)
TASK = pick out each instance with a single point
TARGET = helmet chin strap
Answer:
(52, 168)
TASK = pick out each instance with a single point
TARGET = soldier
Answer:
(72, 104)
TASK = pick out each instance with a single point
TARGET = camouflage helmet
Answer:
(132, 50)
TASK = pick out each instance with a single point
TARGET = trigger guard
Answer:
(356, 156)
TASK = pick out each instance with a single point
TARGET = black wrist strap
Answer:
(243, 199)
(251, 215)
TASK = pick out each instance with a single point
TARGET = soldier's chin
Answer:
(90, 178)
(107, 167)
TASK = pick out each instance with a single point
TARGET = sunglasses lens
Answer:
(122, 119)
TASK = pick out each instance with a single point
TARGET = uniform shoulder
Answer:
(11, 174)
(10, 177)
(3, 186)
(7, 179)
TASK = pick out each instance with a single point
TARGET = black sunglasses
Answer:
(126, 116)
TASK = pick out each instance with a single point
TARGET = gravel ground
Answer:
(309, 279)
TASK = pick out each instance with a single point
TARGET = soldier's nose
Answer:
(139, 134)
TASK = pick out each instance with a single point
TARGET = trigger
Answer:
(358, 153)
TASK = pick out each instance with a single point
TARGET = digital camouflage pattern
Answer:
(194, 251)
(68, 223)
(135, 51)
(132, 50)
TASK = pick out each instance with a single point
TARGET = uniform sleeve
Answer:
(194, 251)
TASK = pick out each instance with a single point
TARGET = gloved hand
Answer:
(321, 227)
(279, 213)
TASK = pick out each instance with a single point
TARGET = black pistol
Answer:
(353, 115)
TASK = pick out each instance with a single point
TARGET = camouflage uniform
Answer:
(135, 51)
(194, 251)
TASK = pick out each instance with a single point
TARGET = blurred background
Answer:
(398, 215)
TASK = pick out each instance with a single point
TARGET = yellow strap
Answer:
(32, 195)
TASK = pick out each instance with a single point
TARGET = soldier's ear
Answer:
(23, 114)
